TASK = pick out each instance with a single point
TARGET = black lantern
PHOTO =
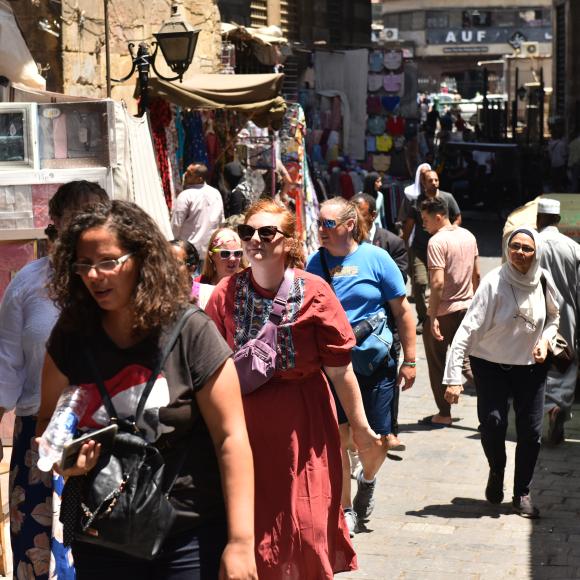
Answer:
(177, 40)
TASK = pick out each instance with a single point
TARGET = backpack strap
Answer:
(130, 425)
(281, 298)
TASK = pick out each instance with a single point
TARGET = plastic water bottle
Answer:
(70, 407)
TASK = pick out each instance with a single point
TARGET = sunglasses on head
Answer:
(227, 254)
(265, 233)
(514, 246)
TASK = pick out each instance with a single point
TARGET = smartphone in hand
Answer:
(104, 436)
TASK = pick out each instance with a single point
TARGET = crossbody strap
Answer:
(112, 412)
(281, 298)
(325, 268)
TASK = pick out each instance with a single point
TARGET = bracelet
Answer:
(408, 363)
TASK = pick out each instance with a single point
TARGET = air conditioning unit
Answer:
(530, 49)
(389, 34)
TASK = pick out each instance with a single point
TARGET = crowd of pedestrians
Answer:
(287, 368)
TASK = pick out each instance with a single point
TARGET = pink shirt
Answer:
(453, 249)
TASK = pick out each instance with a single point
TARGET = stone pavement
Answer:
(431, 519)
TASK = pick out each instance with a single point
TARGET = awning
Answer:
(255, 96)
(269, 35)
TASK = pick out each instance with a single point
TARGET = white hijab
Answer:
(413, 191)
(530, 280)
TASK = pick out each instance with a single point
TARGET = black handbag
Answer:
(123, 504)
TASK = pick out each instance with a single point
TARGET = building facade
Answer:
(337, 23)
(449, 39)
(67, 41)
(566, 98)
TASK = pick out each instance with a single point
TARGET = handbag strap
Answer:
(281, 298)
(112, 412)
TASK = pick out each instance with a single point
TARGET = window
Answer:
(436, 20)
(476, 18)
(418, 20)
(391, 20)
(504, 18)
(406, 21)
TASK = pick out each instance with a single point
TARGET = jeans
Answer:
(193, 555)
(495, 384)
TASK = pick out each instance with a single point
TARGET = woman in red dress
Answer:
(291, 419)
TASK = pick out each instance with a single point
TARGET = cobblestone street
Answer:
(432, 521)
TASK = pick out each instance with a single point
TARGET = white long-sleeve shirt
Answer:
(27, 316)
(490, 331)
(197, 212)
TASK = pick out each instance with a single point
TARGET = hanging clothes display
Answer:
(160, 117)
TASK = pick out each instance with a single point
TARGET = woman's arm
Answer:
(405, 321)
(220, 403)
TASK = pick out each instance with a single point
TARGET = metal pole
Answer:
(515, 105)
(107, 48)
(143, 63)
(541, 95)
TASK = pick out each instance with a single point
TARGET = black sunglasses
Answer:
(266, 233)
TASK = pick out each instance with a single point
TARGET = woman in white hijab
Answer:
(506, 333)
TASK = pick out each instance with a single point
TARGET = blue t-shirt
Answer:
(363, 281)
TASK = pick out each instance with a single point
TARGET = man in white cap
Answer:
(561, 257)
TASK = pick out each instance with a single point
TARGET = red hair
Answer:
(295, 257)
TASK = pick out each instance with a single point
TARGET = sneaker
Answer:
(494, 489)
(524, 507)
(351, 521)
(364, 502)
(355, 464)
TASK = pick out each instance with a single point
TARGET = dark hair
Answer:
(295, 257)
(369, 183)
(191, 254)
(435, 205)
(73, 195)
(195, 170)
(369, 199)
(349, 210)
(160, 293)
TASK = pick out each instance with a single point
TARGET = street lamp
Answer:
(177, 40)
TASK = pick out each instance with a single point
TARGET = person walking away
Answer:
(560, 257)
(27, 316)
(558, 154)
(574, 163)
(198, 209)
(452, 259)
(300, 529)
(506, 332)
(412, 224)
(365, 279)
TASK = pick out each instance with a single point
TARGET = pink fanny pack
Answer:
(256, 360)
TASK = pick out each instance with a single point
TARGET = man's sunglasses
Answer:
(227, 254)
(266, 233)
(328, 224)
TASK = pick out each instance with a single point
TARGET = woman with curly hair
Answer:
(299, 526)
(120, 290)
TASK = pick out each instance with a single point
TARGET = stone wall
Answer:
(77, 58)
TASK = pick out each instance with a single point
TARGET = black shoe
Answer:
(419, 329)
(524, 507)
(494, 489)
